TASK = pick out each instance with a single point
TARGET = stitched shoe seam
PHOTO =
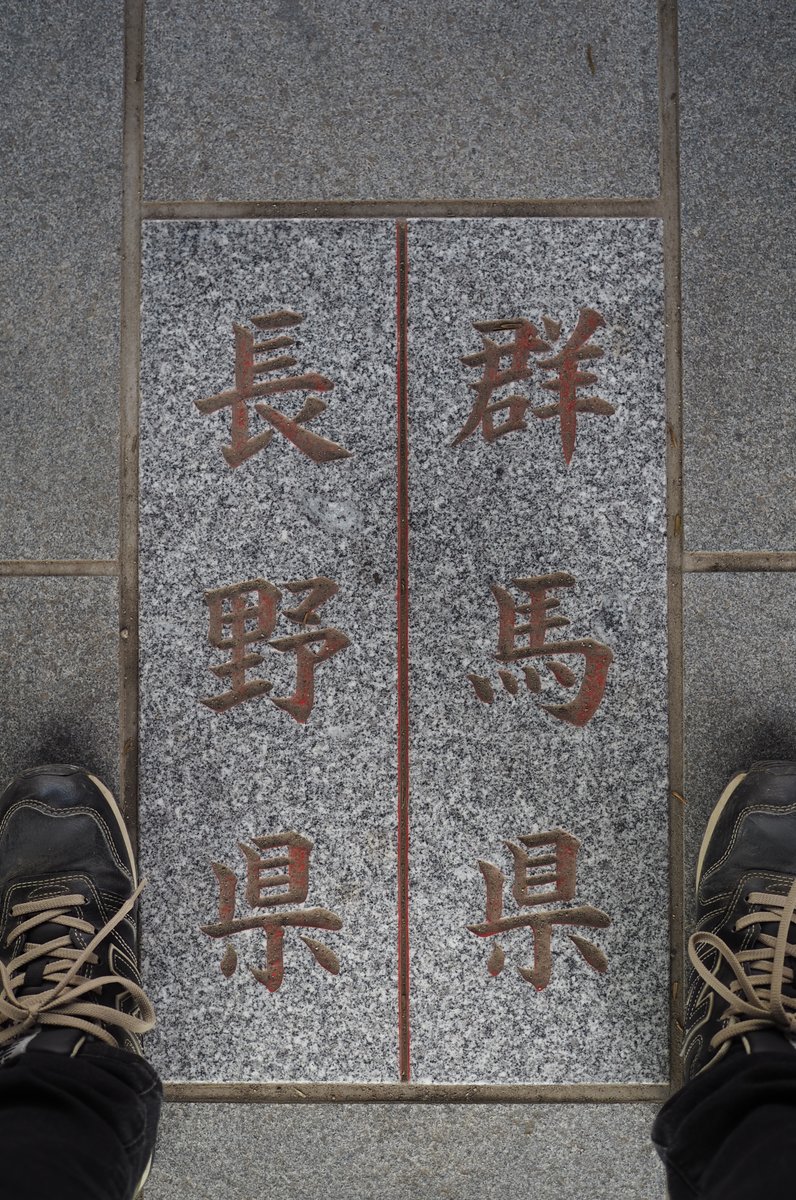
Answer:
(741, 817)
(33, 882)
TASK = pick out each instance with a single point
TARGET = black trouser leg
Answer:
(730, 1134)
(78, 1128)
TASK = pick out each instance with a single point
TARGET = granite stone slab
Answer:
(60, 131)
(740, 688)
(493, 99)
(490, 763)
(738, 180)
(406, 1152)
(59, 674)
(272, 764)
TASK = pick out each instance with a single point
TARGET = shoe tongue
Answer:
(54, 1040)
(771, 928)
(759, 885)
(34, 971)
(772, 1041)
(39, 936)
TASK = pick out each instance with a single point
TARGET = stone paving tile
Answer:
(740, 687)
(486, 513)
(406, 1152)
(59, 672)
(60, 131)
(211, 779)
(486, 98)
(739, 334)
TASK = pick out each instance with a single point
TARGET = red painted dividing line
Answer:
(403, 654)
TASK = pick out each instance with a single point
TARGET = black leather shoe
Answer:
(742, 993)
(68, 906)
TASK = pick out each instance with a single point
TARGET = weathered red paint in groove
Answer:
(401, 255)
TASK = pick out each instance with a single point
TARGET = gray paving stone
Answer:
(59, 674)
(211, 779)
(406, 1152)
(486, 513)
(476, 99)
(60, 132)
(739, 334)
(740, 687)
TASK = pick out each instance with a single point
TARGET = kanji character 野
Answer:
(244, 613)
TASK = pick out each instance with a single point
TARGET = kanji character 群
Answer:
(491, 356)
(254, 620)
(569, 378)
(511, 649)
(285, 875)
(531, 873)
(248, 367)
(568, 382)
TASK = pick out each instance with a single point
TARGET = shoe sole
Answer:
(117, 812)
(140, 1189)
(713, 820)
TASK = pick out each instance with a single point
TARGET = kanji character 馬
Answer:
(244, 613)
(521, 642)
(552, 863)
(272, 880)
(249, 384)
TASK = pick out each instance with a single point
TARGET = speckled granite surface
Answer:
(478, 98)
(208, 779)
(573, 742)
(401, 1151)
(484, 514)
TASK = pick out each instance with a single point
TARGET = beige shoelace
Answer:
(755, 998)
(62, 1004)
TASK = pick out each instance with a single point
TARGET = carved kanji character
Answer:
(570, 378)
(513, 649)
(532, 875)
(568, 382)
(519, 350)
(254, 620)
(286, 875)
(249, 367)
